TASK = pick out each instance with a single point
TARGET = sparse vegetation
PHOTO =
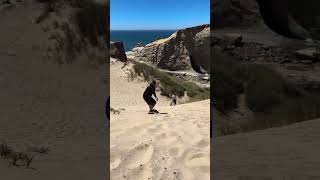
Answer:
(227, 81)
(131, 75)
(195, 92)
(21, 159)
(115, 111)
(84, 33)
(92, 19)
(292, 110)
(274, 100)
(81, 37)
(266, 88)
(170, 84)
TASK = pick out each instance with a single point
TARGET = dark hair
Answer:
(153, 82)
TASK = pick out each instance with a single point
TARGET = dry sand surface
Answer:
(145, 146)
(42, 104)
(285, 153)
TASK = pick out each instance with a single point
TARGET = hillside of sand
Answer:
(46, 105)
(172, 145)
(285, 153)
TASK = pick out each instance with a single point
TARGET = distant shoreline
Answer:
(131, 37)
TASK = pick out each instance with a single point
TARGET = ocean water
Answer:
(131, 37)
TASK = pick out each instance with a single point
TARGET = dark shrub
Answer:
(92, 20)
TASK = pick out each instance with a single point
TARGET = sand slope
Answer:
(42, 104)
(163, 146)
(289, 153)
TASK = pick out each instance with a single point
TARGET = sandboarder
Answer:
(147, 96)
(173, 100)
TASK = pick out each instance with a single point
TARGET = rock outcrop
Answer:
(308, 54)
(184, 50)
(117, 51)
(230, 13)
(300, 67)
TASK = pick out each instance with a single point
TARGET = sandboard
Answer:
(156, 113)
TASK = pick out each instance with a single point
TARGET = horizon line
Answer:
(175, 29)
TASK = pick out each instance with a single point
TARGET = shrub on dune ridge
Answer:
(81, 36)
(266, 88)
(170, 84)
(92, 19)
(274, 100)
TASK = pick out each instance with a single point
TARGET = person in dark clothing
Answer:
(147, 96)
(108, 108)
(173, 100)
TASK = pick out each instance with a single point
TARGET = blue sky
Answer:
(158, 14)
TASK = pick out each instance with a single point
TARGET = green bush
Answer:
(171, 85)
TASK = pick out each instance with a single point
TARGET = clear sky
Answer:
(158, 14)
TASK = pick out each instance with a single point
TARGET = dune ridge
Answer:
(175, 145)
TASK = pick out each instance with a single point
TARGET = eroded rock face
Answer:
(183, 50)
(117, 51)
(228, 13)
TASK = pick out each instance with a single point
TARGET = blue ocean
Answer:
(131, 37)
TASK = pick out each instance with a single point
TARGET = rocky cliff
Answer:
(228, 13)
(184, 50)
(117, 51)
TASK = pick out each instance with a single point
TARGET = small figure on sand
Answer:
(173, 100)
(147, 96)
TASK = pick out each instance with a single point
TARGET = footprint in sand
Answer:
(162, 135)
(203, 143)
(152, 130)
(138, 156)
(176, 151)
(198, 159)
(165, 139)
(141, 172)
(159, 126)
(172, 133)
(155, 129)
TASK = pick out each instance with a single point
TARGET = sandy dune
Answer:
(42, 104)
(285, 153)
(175, 145)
